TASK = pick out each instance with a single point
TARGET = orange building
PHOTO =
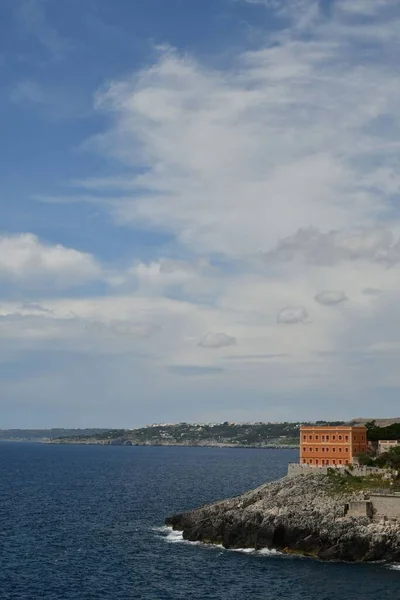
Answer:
(332, 446)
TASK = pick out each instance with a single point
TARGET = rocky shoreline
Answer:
(299, 515)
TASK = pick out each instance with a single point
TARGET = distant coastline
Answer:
(283, 435)
(188, 444)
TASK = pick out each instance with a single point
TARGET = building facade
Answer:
(386, 445)
(331, 446)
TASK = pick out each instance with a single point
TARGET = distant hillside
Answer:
(255, 435)
(39, 435)
(378, 422)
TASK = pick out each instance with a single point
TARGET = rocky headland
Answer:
(301, 515)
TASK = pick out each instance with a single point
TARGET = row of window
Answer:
(326, 449)
(324, 462)
(325, 438)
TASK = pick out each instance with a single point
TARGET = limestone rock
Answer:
(303, 514)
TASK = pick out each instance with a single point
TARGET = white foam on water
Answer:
(269, 552)
(174, 537)
(395, 567)
(260, 552)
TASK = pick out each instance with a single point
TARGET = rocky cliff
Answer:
(303, 514)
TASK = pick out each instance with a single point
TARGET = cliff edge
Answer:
(303, 514)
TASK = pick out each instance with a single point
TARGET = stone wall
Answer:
(387, 505)
(359, 508)
(361, 471)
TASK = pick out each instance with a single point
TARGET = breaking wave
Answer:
(171, 536)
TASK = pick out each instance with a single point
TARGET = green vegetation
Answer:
(389, 460)
(200, 434)
(236, 434)
(375, 433)
(345, 483)
(257, 435)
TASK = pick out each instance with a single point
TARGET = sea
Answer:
(86, 523)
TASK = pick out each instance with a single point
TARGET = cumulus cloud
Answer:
(316, 247)
(330, 297)
(293, 136)
(217, 340)
(292, 314)
(25, 259)
(277, 154)
(162, 273)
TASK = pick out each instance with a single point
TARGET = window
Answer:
(347, 462)
(310, 449)
(346, 450)
(346, 438)
(304, 460)
(340, 437)
(323, 438)
(327, 462)
(316, 449)
(333, 449)
(304, 449)
(327, 438)
(334, 437)
(310, 461)
(340, 449)
(327, 449)
(316, 437)
(316, 461)
(340, 462)
(304, 437)
(310, 437)
(323, 449)
(334, 461)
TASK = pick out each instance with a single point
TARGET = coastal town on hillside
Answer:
(331, 449)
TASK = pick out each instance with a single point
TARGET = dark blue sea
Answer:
(85, 523)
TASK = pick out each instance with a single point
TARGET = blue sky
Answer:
(200, 215)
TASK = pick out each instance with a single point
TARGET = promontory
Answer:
(327, 516)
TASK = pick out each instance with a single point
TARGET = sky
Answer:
(199, 211)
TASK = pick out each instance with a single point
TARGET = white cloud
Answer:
(234, 161)
(292, 155)
(292, 314)
(362, 7)
(330, 297)
(161, 274)
(315, 247)
(24, 259)
(217, 340)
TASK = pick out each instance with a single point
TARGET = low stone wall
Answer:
(295, 469)
(387, 505)
(359, 508)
